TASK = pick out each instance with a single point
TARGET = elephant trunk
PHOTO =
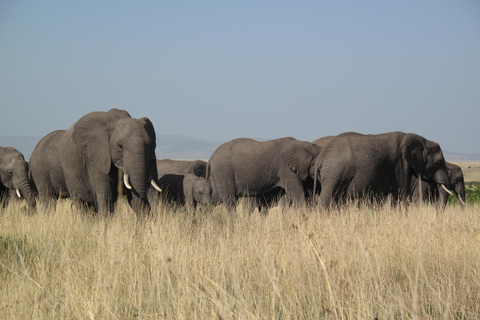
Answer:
(441, 178)
(137, 179)
(26, 192)
(460, 191)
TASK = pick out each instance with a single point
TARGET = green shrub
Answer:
(472, 192)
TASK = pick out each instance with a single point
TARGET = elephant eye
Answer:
(120, 144)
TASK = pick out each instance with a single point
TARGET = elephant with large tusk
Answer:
(372, 166)
(438, 193)
(84, 160)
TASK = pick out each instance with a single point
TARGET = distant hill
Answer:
(458, 157)
(182, 147)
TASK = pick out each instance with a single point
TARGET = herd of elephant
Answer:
(86, 162)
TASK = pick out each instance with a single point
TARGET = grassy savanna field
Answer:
(359, 262)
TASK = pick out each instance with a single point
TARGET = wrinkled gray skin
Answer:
(46, 169)
(263, 202)
(435, 194)
(357, 166)
(14, 176)
(275, 196)
(178, 167)
(169, 166)
(321, 143)
(90, 154)
(324, 141)
(185, 189)
(246, 167)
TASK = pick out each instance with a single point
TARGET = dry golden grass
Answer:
(356, 263)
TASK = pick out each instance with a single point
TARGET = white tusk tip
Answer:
(126, 182)
(445, 188)
(155, 185)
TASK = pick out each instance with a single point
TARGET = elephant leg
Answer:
(189, 200)
(294, 192)
(226, 190)
(250, 203)
(103, 203)
(326, 196)
(102, 188)
(4, 197)
(229, 200)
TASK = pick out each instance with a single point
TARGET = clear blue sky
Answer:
(221, 70)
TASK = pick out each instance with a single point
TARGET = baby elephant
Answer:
(185, 189)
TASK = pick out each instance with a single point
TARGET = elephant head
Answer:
(14, 174)
(424, 159)
(113, 138)
(457, 182)
(201, 191)
(300, 157)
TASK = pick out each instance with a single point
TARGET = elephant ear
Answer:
(298, 158)
(3, 152)
(199, 169)
(413, 151)
(149, 127)
(115, 114)
(91, 134)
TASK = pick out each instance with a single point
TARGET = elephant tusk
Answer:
(155, 185)
(126, 181)
(445, 188)
(460, 199)
(18, 193)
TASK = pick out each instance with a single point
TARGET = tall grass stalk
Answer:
(357, 262)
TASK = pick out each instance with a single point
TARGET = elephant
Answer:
(185, 189)
(246, 167)
(370, 167)
(438, 195)
(46, 169)
(263, 202)
(85, 160)
(14, 175)
(322, 142)
(177, 167)
(169, 166)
